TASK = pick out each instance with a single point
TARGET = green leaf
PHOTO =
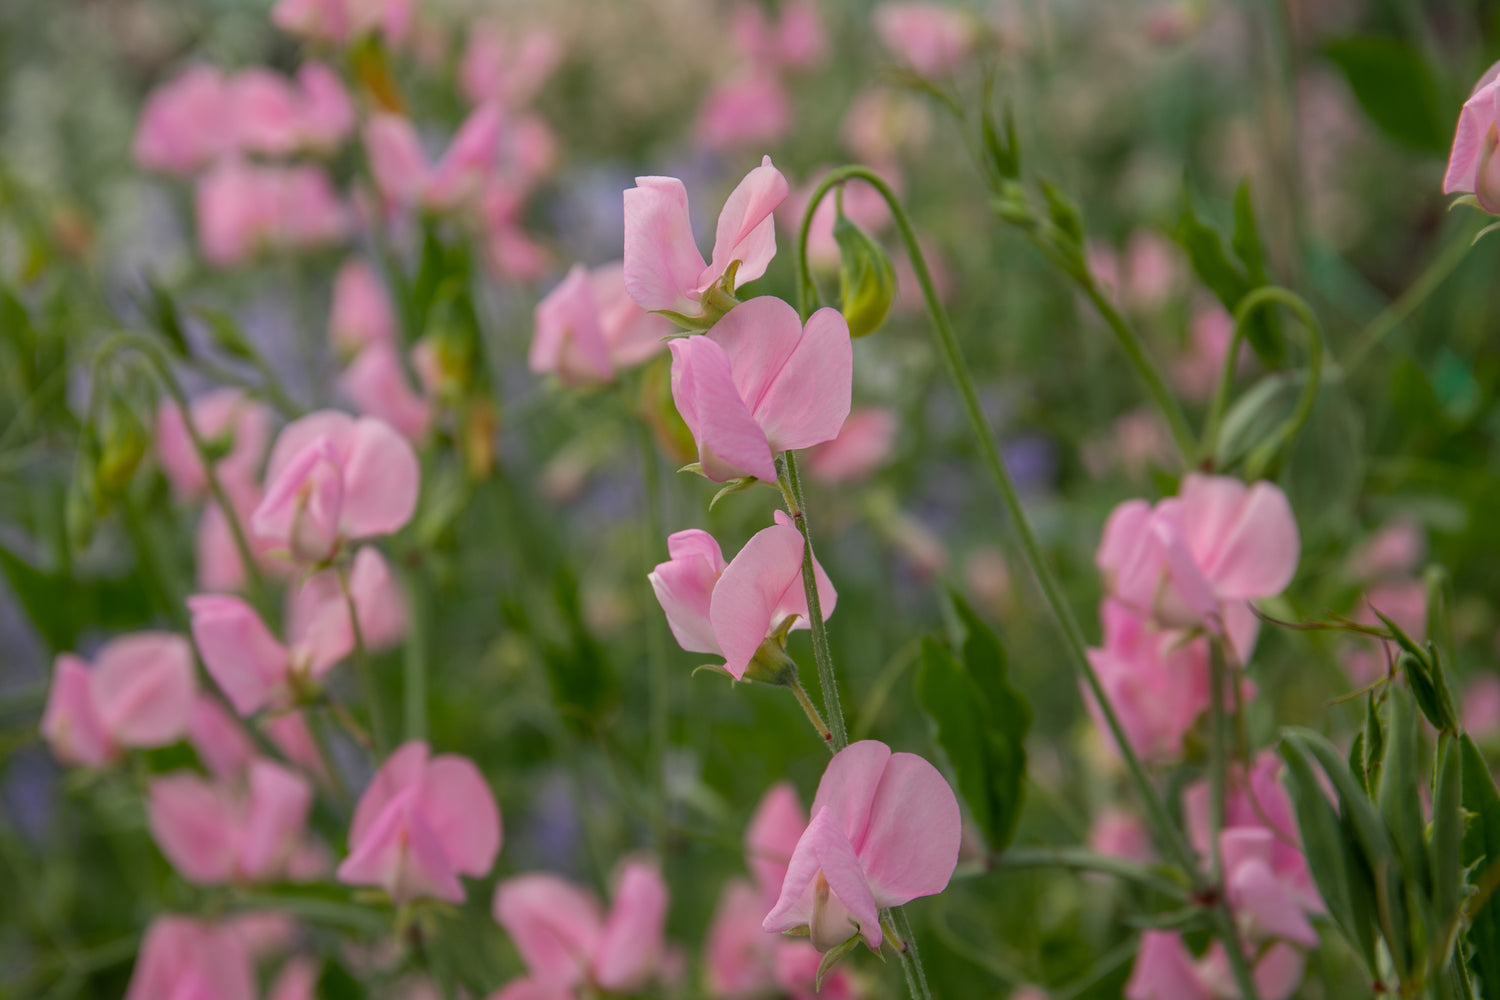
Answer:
(1374, 744)
(1265, 333)
(982, 723)
(1481, 853)
(336, 983)
(1397, 89)
(1400, 803)
(1446, 850)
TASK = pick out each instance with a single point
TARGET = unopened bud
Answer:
(867, 284)
(122, 444)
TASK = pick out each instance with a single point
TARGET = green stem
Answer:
(1167, 834)
(378, 731)
(827, 678)
(1218, 776)
(1397, 312)
(811, 711)
(656, 651)
(1081, 859)
(911, 961)
(414, 664)
(1267, 449)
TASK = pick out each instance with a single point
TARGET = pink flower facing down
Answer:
(186, 959)
(422, 823)
(256, 670)
(759, 383)
(587, 328)
(137, 694)
(565, 941)
(1471, 164)
(729, 609)
(664, 270)
(931, 38)
(215, 832)
(401, 169)
(333, 479)
(1196, 560)
(187, 123)
(230, 423)
(1165, 970)
(885, 830)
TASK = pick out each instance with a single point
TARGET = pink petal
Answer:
(568, 340)
(381, 481)
(631, 942)
(70, 724)
(470, 158)
(662, 263)
(361, 315)
(401, 854)
(850, 784)
(730, 442)
(554, 925)
(377, 385)
(458, 805)
(1254, 890)
(1244, 538)
(910, 846)
(772, 836)
(794, 599)
(177, 948)
(759, 336)
(742, 610)
(1474, 121)
(143, 688)
(738, 955)
(280, 801)
(824, 850)
(402, 772)
(809, 399)
(1164, 970)
(195, 827)
(396, 158)
(239, 651)
(747, 228)
(684, 586)
(223, 747)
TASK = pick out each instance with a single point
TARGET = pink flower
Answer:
(507, 70)
(332, 479)
(254, 669)
(1481, 706)
(1199, 558)
(185, 959)
(378, 386)
(186, 124)
(423, 822)
(749, 110)
(796, 41)
(864, 445)
(1393, 551)
(772, 836)
(797, 964)
(361, 315)
(1166, 970)
(230, 423)
(228, 830)
(1196, 371)
(882, 123)
(663, 268)
(220, 569)
(565, 941)
(138, 693)
(739, 957)
(341, 22)
(760, 383)
(403, 175)
(225, 749)
(729, 609)
(587, 328)
(1120, 834)
(243, 208)
(327, 115)
(885, 830)
(1471, 165)
(931, 38)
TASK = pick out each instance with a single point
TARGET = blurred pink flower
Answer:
(187, 123)
(229, 830)
(587, 328)
(1165, 970)
(739, 957)
(1394, 550)
(885, 829)
(507, 69)
(1472, 168)
(760, 383)
(361, 315)
(931, 38)
(863, 445)
(882, 123)
(729, 609)
(243, 208)
(333, 479)
(138, 693)
(401, 169)
(220, 569)
(748, 110)
(663, 268)
(275, 117)
(565, 941)
(421, 823)
(795, 41)
(230, 423)
(772, 836)
(341, 22)
(1121, 834)
(1196, 371)
(1481, 706)
(377, 384)
(182, 958)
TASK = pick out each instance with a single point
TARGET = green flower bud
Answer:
(866, 282)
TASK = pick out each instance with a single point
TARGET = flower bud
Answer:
(867, 284)
(122, 444)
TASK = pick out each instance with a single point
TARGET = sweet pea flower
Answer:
(742, 961)
(863, 445)
(361, 314)
(1198, 559)
(1394, 550)
(752, 109)
(225, 749)
(230, 423)
(332, 479)
(729, 609)
(1471, 163)
(1196, 371)
(565, 941)
(423, 821)
(772, 836)
(186, 959)
(341, 22)
(138, 693)
(796, 41)
(507, 70)
(663, 268)
(401, 169)
(187, 123)
(885, 830)
(1120, 834)
(1165, 970)
(243, 208)
(511, 252)
(883, 123)
(216, 832)
(931, 38)
(760, 383)
(587, 328)
(377, 384)
(255, 669)
(220, 567)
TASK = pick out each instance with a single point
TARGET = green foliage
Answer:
(1481, 854)
(1231, 280)
(1397, 89)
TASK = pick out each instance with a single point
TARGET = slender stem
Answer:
(378, 729)
(1083, 860)
(1218, 777)
(656, 652)
(827, 679)
(811, 711)
(1396, 313)
(414, 664)
(1167, 833)
(911, 961)
(317, 726)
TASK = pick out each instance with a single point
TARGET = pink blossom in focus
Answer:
(182, 958)
(663, 268)
(1472, 168)
(565, 940)
(863, 445)
(728, 609)
(931, 38)
(1199, 558)
(885, 829)
(760, 383)
(138, 693)
(331, 479)
(746, 111)
(587, 328)
(229, 423)
(215, 832)
(187, 123)
(423, 821)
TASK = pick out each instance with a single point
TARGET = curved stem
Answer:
(378, 731)
(1081, 859)
(1264, 452)
(827, 678)
(1396, 313)
(1167, 835)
